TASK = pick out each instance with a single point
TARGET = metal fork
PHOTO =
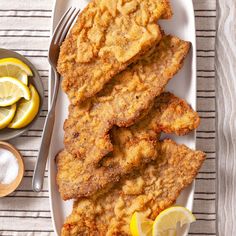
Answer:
(54, 49)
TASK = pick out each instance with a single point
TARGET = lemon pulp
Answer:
(6, 115)
(13, 67)
(11, 90)
(140, 225)
(167, 221)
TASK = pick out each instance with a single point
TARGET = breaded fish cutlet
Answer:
(149, 191)
(122, 101)
(107, 37)
(133, 147)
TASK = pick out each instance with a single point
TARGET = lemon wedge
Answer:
(13, 67)
(11, 90)
(140, 225)
(6, 115)
(26, 110)
(16, 68)
(18, 74)
(166, 222)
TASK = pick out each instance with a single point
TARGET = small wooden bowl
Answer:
(6, 189)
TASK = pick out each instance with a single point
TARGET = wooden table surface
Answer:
(226, 118)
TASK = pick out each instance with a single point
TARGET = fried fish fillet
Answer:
(107, 37)
(122, 101)
(133, 147)
(149, 191)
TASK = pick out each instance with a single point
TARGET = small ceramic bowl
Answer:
(6, 189)
(6, 134)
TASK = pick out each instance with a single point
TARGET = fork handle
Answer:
(37, 183)
(43, 153)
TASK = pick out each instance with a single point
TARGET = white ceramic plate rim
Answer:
(53, 194)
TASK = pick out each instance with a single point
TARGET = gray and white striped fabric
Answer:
(25, 28)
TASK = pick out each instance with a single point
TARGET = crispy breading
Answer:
(149, 191)
(107, 37)
(133, 147)
(122, 101)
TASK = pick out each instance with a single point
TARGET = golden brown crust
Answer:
(149, 191)
(133, 147)
(107, 37)
(123, 100)
(176, 116)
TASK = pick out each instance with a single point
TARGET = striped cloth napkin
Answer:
(25, 28)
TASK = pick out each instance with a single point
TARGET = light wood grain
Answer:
(226, 97)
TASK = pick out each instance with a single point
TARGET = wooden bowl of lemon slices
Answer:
(21, 94)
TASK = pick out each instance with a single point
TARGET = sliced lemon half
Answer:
(26, 110)
(167, 221)
(11, 90)
(140, 225)
(6, 115)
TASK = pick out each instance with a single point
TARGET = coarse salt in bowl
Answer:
(12, 168)
(9, 166)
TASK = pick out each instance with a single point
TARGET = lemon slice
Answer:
(11, 90)
(166, 222)
(6, 115)
(26, 111)
(140, 225)
(18, 74)
(12, 66)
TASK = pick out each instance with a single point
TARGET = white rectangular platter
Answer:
(183, 85)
